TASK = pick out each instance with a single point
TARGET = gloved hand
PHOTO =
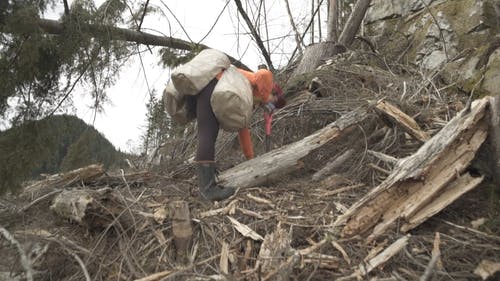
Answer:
(269, 107)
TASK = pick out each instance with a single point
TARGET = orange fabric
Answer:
(262, 84)
(246, 143)
(219, 75)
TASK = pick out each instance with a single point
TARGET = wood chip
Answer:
(245, 230)
(487, 268)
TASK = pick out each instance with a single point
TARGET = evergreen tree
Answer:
(91, 148)
(158, 125)
(50, 145)
(39, 70)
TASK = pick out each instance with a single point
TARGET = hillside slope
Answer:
(58, 143)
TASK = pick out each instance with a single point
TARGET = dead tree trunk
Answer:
(494, 136)
(333, 21)
(425, 182)
(352, 25)
(287, 158)
(123, 34)
(315, 54)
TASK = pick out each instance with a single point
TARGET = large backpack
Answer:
(191, 77)
(232, 100)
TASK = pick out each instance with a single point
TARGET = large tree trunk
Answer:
(333, 21)
(315, 54)
(353, 23)
(123, 34)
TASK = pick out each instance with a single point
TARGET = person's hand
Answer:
(269, 107)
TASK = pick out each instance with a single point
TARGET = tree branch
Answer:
(256, 36)
(299, 42)
(116, 33)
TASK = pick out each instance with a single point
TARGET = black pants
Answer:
(208, 126)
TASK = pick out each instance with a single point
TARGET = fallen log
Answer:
(418, 181)
(287, 158)
(56, 181)
(401, 119)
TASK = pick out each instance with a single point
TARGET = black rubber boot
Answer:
(208, 187)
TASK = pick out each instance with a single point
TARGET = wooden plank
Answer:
(398, 117)
(384, 256)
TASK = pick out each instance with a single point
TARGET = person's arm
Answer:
(246, 143)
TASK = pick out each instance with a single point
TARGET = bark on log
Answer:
(286, 159)
(89, 208)
(352, 25)
(494, 136)
(419, 179)
(182, 229)
(315, 54)
(45, 186)
(408, 124)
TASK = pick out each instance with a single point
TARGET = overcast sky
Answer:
(124, 118)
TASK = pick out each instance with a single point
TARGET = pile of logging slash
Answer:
(379, 191)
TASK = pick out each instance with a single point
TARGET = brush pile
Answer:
(369, 179)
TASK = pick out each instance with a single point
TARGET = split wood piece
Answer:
(451, 193)
(333, 164)
(281, 161)
(435, 260)
(418, 179)
(384, 157)
(384, 256)
(243, 263)
(56, 181)
(321, 261)
(90, 208)
(487, 269)
(244, 230)
(370, 264)
(398, 117)
(224, 258)
(181, 228)
(273, 255)
(230, 209)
